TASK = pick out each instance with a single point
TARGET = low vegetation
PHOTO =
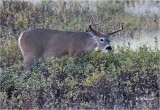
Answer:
(116, 80)
(92, 81)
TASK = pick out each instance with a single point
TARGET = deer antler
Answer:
(91, 24)
(90, 27)
(116, 30)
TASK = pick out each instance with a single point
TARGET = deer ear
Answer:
(90, 31)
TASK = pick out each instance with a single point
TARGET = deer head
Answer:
(102, 40)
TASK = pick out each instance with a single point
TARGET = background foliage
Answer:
(116, 80)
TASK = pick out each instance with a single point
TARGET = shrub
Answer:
(10, 53)
(120, 79)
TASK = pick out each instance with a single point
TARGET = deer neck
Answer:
(95, 38)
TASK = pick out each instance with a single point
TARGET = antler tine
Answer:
(90, 27)
(90, 23)
(117, 30)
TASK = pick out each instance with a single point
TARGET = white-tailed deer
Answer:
(36, 43)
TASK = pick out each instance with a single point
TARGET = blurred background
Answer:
(141, 18)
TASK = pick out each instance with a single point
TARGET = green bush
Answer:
(98, 80)
(10, 53)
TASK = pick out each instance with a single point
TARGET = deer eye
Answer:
(101, 39)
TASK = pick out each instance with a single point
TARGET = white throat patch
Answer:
(96, 49)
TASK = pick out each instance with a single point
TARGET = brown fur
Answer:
(37, 43)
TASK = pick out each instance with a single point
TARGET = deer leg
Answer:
(29, 63)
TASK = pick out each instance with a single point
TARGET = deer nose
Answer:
(109, 48)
